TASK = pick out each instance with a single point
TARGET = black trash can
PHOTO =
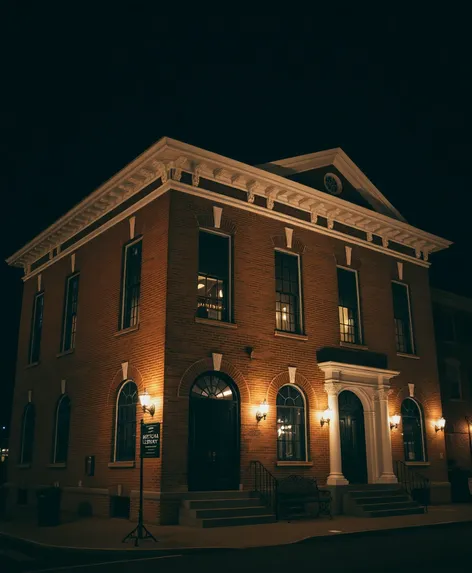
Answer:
(49, 506)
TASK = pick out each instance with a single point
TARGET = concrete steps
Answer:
(223, 509)
(380, 503)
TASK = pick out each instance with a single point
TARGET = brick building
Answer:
(452, 316)
(278, 313)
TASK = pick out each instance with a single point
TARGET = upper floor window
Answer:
(131, 288)
(61, 430)
(287, 292)
(214, 272)
(36, 328)
(402, 317)
(413, 431)
(291, 424)
(70, 313)
(125, 426)
(349, 311)
(27, 434)
(450, 373)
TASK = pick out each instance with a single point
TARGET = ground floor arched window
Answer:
(291, 424)
(413, 431)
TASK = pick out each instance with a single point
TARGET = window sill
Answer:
(118, 465)
(211, 322)
(353, 345)
(295, 464)
(403, 355)
(292, 335)
(32, 365)
(65, 352)
(23, 466)
(57, 466)
(418, 464)
(124, 331)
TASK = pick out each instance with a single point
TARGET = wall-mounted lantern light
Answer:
(145, 400)
(326, 417)
(262, 412)
(440, 424)
(394, 421)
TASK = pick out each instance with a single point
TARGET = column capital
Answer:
(332, 388)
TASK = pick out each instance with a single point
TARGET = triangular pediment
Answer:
(334, 173)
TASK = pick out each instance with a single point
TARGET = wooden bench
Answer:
(299, 496)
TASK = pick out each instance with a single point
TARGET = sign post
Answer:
(150, 447)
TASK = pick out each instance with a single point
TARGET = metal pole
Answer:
(141, 485)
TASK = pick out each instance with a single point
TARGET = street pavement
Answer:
(436, 549)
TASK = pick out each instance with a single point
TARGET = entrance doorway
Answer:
(213, 463)
(353, 448)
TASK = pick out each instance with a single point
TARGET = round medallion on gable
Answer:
(333, 184)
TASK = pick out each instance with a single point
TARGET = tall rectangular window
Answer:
(214, 272)
(36, 328)
(70, 313)
(287, 292)
(402, 317)
(349, 313)
(131, 289)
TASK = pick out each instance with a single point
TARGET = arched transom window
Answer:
(213, 386)
(291, 424)
(413, 431)
(125, 432)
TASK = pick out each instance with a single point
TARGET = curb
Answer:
(43, 550)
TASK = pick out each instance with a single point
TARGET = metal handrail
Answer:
(416, 485)
(265, 485)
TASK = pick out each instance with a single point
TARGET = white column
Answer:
(335, 465)
(386, 463)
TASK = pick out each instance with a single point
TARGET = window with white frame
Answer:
(348, 306)
(69, 327)
(131, 287)
(287, 292)
(36, 328)
(413, 431)
(214, 276)
(61, 430)
(402, 318)
(27, 434)
(125, 423)
(291, 424)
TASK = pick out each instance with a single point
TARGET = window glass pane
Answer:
(213, 276)
(348, 307)
(132, 285)
(27, 435)
(291, 431)
(36, 328)
(287, 295)
(62, 430)
(412, 423)
(451, 377)
(70, 311)
(401, 312)
(126, 423)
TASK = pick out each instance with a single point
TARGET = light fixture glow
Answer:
(146, 404)
(440, 424)
(201, 285)
(262, 411)
(394, 421)
(220, 293)
(326, 417)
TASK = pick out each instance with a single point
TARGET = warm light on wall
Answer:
(146, 403)
(440, 424)
(394, 421)
(326, 417)
(262, 411)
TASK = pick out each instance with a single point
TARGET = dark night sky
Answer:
(394, 93)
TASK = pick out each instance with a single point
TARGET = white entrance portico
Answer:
(371, 386)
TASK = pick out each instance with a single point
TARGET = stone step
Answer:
(390, 505)
(235, 521)
(395, 512)
(381, 499)
(219, 503)
(375, 493)
(229, 512)
(228, 494)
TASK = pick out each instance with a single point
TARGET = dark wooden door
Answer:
(353, 449)
(213, 444)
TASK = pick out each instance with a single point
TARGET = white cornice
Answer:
(356, 370)
(169, 158)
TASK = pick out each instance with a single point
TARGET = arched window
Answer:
(61, 430)
(413, 431)
(291, 425)
(27, 434)
(125, 431)
(213, 386)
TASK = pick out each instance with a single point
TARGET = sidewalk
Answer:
(99, 534)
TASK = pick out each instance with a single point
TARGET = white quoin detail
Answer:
(124, 370)
(30, 396)
(411, 388)
(217, 212)
(292, 371)
(63, 386)
(289, 237)
(72, 263)
(400, 270)
(348, 255)
(217, 358)
(132, 227)
(39, 282)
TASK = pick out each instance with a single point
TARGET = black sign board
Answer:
(151, 440)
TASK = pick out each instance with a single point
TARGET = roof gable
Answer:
(310, 170)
